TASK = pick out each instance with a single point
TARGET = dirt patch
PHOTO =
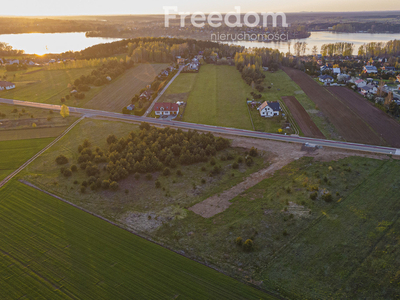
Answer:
(379, 121)
(302, 118)
(348, 124)
(298, 210)
(150, 221)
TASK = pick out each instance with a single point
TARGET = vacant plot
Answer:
(302, 118)
(14, 153)
(180, 88)
(52, 250)
(348, 124)
(119, 93)
(136, 199)
(379, 121)
(347, 253)
(307, 249)
(219, 98)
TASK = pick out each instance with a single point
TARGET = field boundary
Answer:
(13, 174)
(270, 293)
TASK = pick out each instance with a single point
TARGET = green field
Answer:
(52, 250)
(180, 88)
(282, 85)
(120, 92)
(46, 86)
(218, 98)
(14, 153)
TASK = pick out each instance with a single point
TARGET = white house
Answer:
(368, 89)
(326, 79)
(5, 85)
(269, 109)
(336, 71)
(166, 109)
(13, 61)
(370, 69)
(360, 83)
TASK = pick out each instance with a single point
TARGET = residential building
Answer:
(370, 69)
(326, 79)
(166, 109)
(368, 89)
(269, 109)
(6, 85)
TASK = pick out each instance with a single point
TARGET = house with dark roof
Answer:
(166, 109)
(269, 109)
(6, 85)
(370, 69)
(326, 79)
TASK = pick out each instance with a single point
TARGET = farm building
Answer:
(166, 109)
(326, 79)
(6, 85)
(269, 109)
(130, 107)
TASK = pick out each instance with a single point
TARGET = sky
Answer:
(116, 7)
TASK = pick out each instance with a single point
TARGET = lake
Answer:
(318, 38)
(42, 43)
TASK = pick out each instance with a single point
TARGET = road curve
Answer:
(214, 129)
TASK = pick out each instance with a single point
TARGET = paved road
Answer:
(214, 129)
(161, 93)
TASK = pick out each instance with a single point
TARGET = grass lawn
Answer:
(307, 249)
(143, 208)
(14, 153)
(218, 98)
(52, 250)
(282, 85)
(180, 88)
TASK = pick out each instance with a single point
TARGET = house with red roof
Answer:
(5, 85)
(166, 109)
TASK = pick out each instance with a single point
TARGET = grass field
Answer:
(14, 153)
(307, 249)
(218, 98)
(282, 85)
(180, 88)
(52, 250)
(46, 86)
(133, 209)
(119, 93)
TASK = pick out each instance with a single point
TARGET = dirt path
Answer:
(218, 203)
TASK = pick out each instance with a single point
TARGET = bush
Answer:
(114, 185)
(239, 241)
(61, 160)
(67, 173)
(105, 184)
(203, 181)
(249, 161)
(137, 176)
(179, 172)
(84, 183)
(313, 196)
(248, 245)
(212, 161)
(149, 176)
(74, 168)
(235, 165)
(240, 160)
(166, 172)
(83, 189)
(203, 168)
(285, 233)
(158, 184)
(327, 197)
(126, 191)
(253, 152)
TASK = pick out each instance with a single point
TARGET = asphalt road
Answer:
(215, 129)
